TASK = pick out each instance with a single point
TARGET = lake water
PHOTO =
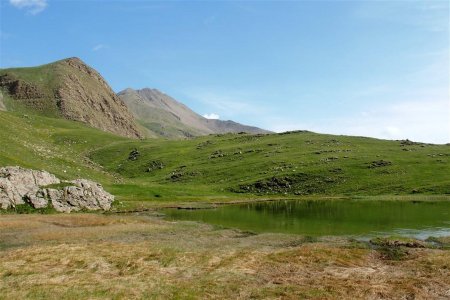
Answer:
(329, 217)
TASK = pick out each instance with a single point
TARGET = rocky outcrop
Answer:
(84, 194)
(16, 183)
(85, 96)
(72, 90)
(18, 88)
(19, 186)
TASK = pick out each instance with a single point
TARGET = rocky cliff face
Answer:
(19, 186)
(85, 96)
(70, 89)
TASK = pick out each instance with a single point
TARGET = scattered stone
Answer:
(238, 152)
(331, 158)
(134, 155)
(155, 165)
(293, 132)
(379, 164)
(332, 151)
(389, 242)
(298, 184)
(409, 143)
(217, 154)
(204, 144)
(181, 174)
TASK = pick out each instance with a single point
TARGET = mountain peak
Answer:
(75, 92)
(73, 59)
(164, 116)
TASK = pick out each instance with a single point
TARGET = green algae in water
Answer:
(329, 218)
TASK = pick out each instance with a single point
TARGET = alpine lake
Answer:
(358, 218)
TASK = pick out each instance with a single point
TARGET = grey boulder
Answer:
(19, 186)
(84, 194)
(17, 183)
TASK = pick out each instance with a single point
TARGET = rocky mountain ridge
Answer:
(72, 90)
(69, 89)
(163, 115)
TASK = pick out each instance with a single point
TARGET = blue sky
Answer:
(371, 68)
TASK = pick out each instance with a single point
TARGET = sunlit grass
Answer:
(88, 256)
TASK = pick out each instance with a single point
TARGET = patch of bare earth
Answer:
(89, 256)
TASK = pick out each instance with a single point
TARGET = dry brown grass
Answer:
(88, 256)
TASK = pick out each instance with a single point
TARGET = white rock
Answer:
(19, 185)
(17, 182)
(84, 194)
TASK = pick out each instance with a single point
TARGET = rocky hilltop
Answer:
(162, 115)
(40, 189)
(69, 89)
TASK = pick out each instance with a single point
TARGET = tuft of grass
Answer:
(58, 186)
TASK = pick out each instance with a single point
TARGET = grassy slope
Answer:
(45, 78)
(56, 145)
(63, 147)
(423, 168)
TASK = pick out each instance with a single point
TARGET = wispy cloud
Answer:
(32, 7)
(229, 104)
(429, 15)
(212, 116)
(99, 47)
(424, 121)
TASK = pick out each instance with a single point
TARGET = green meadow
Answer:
(229, 167)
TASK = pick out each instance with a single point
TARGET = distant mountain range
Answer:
(72, 90)
(161, 115)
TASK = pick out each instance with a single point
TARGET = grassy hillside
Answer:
(67, 89)
(56, 145)
(225, 167)
(300, 163)
(42, 80)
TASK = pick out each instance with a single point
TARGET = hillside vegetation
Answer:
(70, 89)
(67, 89)
(297, 163)
(225, 167)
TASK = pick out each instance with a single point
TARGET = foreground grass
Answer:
(89, 256)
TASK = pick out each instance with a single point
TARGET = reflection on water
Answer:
(325, 217)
